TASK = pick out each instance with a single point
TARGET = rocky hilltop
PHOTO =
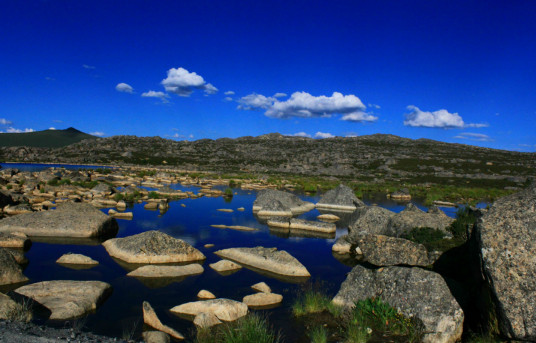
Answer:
(382, 156)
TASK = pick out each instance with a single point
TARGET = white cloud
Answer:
(229, 93)
(191, 136)
(228, 98)
(86, 66)
(123, 87)
(359, 117)
(52, 128)
(299, 134)
(181, 82)
(154, 94)
(323, 135)
(374, 106)
(280, 95)
(14, 130)
(255, 102)
(4, 121)
(437, 119)
(479, 137)
(97, 133)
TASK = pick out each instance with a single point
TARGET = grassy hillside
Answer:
(44, 139)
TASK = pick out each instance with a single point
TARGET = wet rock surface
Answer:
(507, 247)
(152, 247)
(415, 292)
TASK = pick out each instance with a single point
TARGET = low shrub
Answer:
(312, 301)
(251, 328)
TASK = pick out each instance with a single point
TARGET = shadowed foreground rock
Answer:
(506, 238)
(269, 259)
(152, 247)
(224, 309)
(415, 292)
(67, 299)
(67, 220)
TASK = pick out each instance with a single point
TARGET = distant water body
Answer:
(35, 167)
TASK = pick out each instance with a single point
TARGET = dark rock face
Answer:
(5, 199)
(390, 251)
(10, 271)
(68, 220)
(341, 197)
(506, 239)
(415, 292)
(413, 217)
(370, 220)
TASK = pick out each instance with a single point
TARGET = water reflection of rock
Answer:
(345, 220)
(289, 233)
(159, 282)
(132, 266)
(70, 240)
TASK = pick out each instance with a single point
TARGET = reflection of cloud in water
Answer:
(147, 224)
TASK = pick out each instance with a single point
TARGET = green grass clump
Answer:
(318, 334)
(465, 219)
(86, 184)
(228, 193)
(312, 302)
(432, 239)
(118, 196)
(19, 312)
(154, 195)
(373, 316)
(251, 328)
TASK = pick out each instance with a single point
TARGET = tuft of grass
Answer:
(314, 301)
(465, 219)
(129, 330)
(20, 311)
(251, 328)
(318, 334)
(228, 193)
(154, 195)
(373, 316)
(118, 196)
(432, 239)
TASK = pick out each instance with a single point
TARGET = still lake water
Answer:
(123, 308)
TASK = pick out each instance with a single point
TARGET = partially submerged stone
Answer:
(158, 271)
(152, 247)
(271, 202)
(151, 319)
(10, 271)
(69, 219)
(302, 224)
(327, 217)
(269, 259)
(224, 266)
(234, 227)
(67, 299)
(415, 292)
(261, 287)
(71, 258)
(262, 300)
(342, 246)
(224, 309)
(204, 294)
(341, 198)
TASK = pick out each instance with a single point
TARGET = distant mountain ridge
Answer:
(44, 139)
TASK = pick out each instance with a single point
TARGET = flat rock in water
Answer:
(505, 236)
(206, 320)
(69, 219)
(309, 225)
(413, 217)
(151, 319)
(10, 271)
(228, 210)
(17, 240)
(390, 251)
(342, 246)
(270, 259)
(67, 299)
(413, 291)
(225, 266)
(330, 218)
(341, 198)
(152, 271)
(204, 294)
(152, 247)
(261, 287)
(70, 258)
(226, 310)
(262, 299)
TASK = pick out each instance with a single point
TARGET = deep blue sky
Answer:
(61, 62)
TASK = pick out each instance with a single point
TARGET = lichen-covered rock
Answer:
(383, 250)
(157, 271)
(269, 259)
(69, 219)
(261, 299)
(271, 202)
(206, 320)
(413, 217)
(152, 247)
(226, 310)
(67, 299)
(506, 239)
(370, 220)
(10, 271)
(71, 258)
(342, 246)
(415, 292)
(225, 266)
(341, 198)
(302, 224)
(150, 318)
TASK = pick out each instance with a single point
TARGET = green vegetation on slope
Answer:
(44, 139)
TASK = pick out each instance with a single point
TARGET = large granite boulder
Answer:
(10, 271)
(505, 235)
(413, 217)
(269, 259)
(69, 219)
(271, 202)
(415, 292)
(370, 220)
(152, 247)
(341, 198)
(383, 250)
(226, 310)
(67, 299)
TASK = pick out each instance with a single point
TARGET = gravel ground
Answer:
(17, 332)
